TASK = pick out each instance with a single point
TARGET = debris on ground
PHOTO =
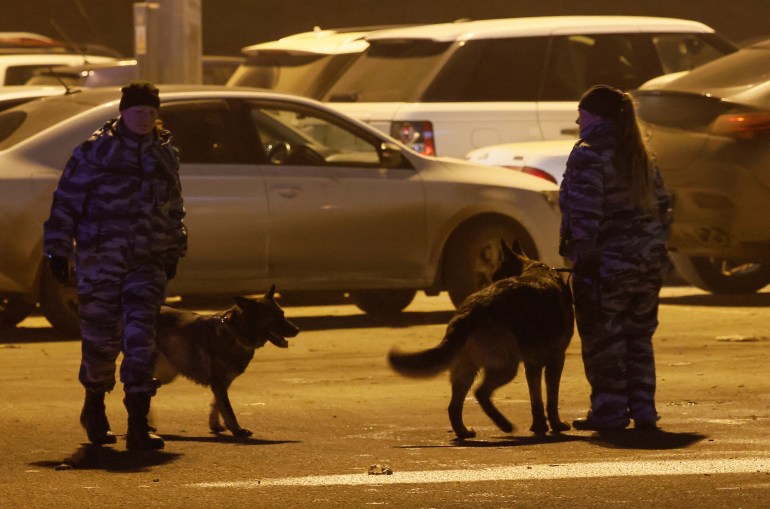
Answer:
(380, 470)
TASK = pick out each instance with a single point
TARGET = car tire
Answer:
(59, 304)
(382, 302)
(473, 253)
(709, 274)
(14, 309)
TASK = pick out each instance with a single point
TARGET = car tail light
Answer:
(417, 135)
(742, 125)
(537, 172)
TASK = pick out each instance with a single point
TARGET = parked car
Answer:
(216, 71)
(17, 68)
(710, 131)
(13, 43)
(449, 88)
(280, 190)
(546, 158)
(19, 94)
(304, 64)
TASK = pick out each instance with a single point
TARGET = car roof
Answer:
(100, 95)
(540, 26)
(52, 58)
(21, 91)
(323, 42)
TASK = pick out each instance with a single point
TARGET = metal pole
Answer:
(169, 41)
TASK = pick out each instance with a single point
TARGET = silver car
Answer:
(279, 190)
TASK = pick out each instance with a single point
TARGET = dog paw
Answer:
(539, 428)
(464, 434)
(559, 426)
(242, 432)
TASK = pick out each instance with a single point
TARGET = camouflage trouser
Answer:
(616, 320)
(118, 306)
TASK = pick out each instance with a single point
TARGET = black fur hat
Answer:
(603, 100)
(139, 93)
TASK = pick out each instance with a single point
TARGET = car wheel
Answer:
(721, 275)
(59, 304)
(14, 309)
(382, 302)
(473, 254)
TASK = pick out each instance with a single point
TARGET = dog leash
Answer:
(562, 270)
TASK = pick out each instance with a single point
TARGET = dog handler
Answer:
(119, 199)
(615, 224)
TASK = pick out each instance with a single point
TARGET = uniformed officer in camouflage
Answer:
(119, 199)
(615, 223)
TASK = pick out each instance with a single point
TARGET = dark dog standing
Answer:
(525, 316)
(214, 350)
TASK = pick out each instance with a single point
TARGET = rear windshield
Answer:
(744, 69)
(392, 70)
(18, 124)
(305, 75)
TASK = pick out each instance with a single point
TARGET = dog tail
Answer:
(431, 362)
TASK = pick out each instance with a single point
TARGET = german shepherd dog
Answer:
(525, 315)
(214, 350)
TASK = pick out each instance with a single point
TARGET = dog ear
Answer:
(516, 248)
(271, 293)
(505, 250)
(244, 302)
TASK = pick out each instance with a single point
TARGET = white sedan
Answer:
(544, 159)
(279, 190)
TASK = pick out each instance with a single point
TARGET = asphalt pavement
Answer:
(335, 427)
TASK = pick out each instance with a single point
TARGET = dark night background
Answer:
(228, 25)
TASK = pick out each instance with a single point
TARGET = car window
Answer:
(577, 62)
(204, 131)
(305, 75)
(492, 70)
(22, 122)
(295, 135)
(390, 70)
(19, 74)
(683, 52)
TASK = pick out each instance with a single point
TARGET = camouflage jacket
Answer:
(600, 224)
(119, 192)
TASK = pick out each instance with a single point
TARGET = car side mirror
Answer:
(390, 155)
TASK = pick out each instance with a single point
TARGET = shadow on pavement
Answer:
(95, 457)
(655, 439)
(405, 319)
(32, 335)
(226, 439)
(743, 300)
(504, 441)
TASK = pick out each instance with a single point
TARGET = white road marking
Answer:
(518, 473)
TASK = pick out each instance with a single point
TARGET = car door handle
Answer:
(287, 191)
(572, 131)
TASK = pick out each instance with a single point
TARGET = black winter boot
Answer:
(138, 436)
(94, 419)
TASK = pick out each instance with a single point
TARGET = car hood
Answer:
(470, 172)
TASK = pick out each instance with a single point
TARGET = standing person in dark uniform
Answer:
(119, 199)
(614, 229)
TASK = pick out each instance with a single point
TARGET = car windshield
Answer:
(305, 75)
(18, 124)
(390, 70)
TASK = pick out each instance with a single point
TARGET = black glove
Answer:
(170, 269)
(60, 268)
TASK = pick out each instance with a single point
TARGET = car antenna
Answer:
(69, 90)
(68, 40)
